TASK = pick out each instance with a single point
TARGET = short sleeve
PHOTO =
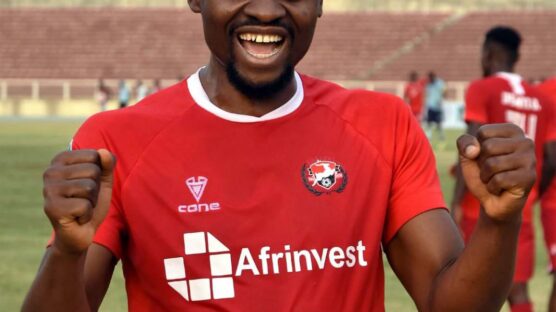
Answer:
(112, 230)
(415, 186)
(110, 233)
(476, 105)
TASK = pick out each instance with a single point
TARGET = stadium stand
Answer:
(166, 43)
(95, 43)
(347, 45)
(454, 52)
(59, 54)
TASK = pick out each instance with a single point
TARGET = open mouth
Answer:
(261, 46)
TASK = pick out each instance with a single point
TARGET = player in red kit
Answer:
(502, 96)
(548, 194)
(413, 94)
(252, 187)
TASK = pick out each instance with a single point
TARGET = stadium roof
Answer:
(168, 43)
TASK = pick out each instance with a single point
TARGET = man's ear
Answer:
(195, 5)
(320, 7)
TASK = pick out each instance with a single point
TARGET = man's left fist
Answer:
(499, 168)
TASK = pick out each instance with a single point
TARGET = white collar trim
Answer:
(514, 80)
(201, 98)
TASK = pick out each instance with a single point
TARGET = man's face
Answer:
(259, 42)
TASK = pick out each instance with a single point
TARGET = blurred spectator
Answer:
(413, 94)
(434, 95)
(123, 94)
(156, 86)
(103, 95)
(141, 91)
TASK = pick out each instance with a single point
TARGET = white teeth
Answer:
(258, 38)
(264, 56)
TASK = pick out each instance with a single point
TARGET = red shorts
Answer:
(548, 218)
(525, 248)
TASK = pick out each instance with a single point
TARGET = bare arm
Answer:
(74, 274)
(428, 255)
(549, 166)
(440, 275)
(71, 282)
(459, 189)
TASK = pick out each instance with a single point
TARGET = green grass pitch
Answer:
(26, 148)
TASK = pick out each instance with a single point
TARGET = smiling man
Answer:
(250, 187)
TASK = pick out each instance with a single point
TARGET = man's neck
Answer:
(223, 94)
(502, 69)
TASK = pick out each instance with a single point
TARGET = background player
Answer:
(548, 194)
(249, 122)
(413, 94)
(503, 96)
(434, 96)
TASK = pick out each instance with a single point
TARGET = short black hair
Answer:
(508, 38)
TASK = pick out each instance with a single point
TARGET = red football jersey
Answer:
(218, 211)
(549, 198)
(414, 92)
(504, 98)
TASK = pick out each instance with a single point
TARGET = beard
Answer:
(259, 91)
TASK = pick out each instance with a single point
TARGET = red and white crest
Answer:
(324, 177)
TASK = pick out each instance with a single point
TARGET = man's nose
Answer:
(265, 11)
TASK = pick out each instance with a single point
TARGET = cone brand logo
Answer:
(197, 188)
(220, 284)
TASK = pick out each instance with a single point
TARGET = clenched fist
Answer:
(77, 192)
(499, 169)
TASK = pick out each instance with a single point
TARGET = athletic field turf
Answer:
(26, 147)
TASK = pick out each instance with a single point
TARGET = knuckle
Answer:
(529, 143)
(84, 205)
(52, 172)
(488, 146)
(490, 165)
(49, 191)
(94, 171)
(57, 158)
(513, 127)
(89, 186)
(92, 155)
(498, 179)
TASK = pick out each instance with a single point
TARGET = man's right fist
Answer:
(77, 191)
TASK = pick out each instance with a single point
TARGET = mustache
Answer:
(250, 21)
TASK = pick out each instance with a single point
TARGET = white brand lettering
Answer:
(336, 257)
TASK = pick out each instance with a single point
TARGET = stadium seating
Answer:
(347, 45)
(167, 43)
(95, 43)
(454, 53)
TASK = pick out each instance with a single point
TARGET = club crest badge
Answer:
(324, 177)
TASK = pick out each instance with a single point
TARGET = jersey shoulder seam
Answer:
(146, 147)
(367, 139)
